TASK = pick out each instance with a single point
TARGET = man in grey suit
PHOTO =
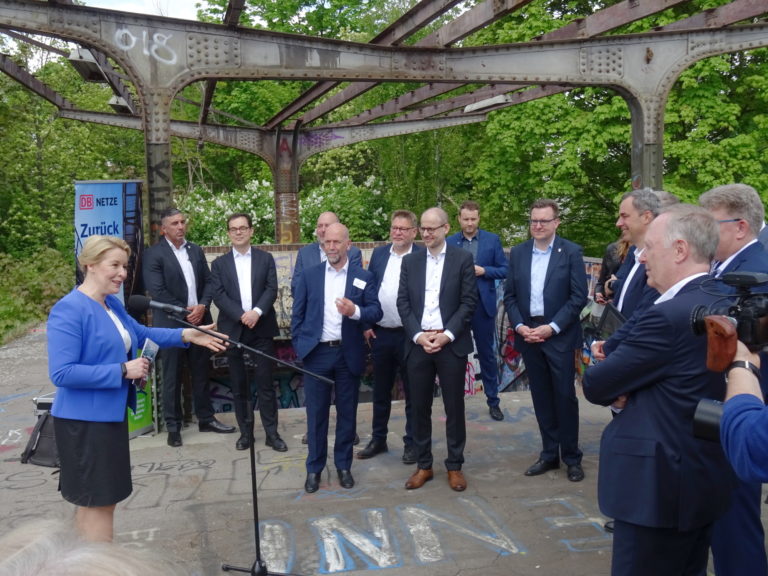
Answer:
(176, 272)
(244, 286)
(436, 300)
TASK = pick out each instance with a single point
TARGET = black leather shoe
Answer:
(215, 426)
(374, 447)
(608, 526)
(409, 455)
(357, 440)
(575, 473)
(243, 443)
(276, 443)
(345, 479)
(496, 413)
(304, 439)
(174, 439)
(542, 466)
(312, 483)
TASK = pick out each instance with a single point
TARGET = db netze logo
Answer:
(86, 202)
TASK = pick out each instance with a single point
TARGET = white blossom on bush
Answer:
(208, 211)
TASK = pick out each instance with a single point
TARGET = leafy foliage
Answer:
(362, 208)
(208, 212)
(30, 287)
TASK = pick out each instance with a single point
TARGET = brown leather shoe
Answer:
(418, 478)
(456, 480)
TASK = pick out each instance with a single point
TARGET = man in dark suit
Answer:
(176, 272)
(244, 286)
(738, 538)
(663, 486)
(387, 338)
(332, 303)
(637, 210)
(490, 266)
(546, 289)
(436, 300)
(313, 254)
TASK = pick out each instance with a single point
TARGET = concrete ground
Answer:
(194, 503)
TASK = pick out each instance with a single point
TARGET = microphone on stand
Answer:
(138, 303)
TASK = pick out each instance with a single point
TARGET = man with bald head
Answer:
(333, 301)
(663, 486)
(312, 254)
(436, 300)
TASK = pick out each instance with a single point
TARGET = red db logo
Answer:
(86, 202)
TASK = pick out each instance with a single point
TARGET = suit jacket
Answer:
(165, 282)
(490, 255)
(307, 314)
(653, 472)
(85, 367)
(753, 258)
(226, 293)
(458, 297)
(637, 290)
(309, 256)
(565, 292)
(762, 237)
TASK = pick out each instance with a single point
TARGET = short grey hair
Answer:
(644, 200)
(696, 226)
(739, 201)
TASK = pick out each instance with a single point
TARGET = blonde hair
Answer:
(96, 247)
(53, 548)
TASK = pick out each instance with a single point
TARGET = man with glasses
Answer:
(490, 265)
(312, 254)
(244, 285)
(176, 272)
(738, 538)
(436, 299)
(387, 337)
(546, 289)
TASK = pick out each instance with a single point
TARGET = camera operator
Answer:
(744, 427)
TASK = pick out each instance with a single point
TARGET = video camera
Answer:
(745, 319)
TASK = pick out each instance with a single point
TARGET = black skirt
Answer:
(95, 461)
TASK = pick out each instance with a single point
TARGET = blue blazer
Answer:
(307, 314)
(653, 472)
(309, 256)
(753, 258)
(85, 351)
(458, 297)
(565, 292)
(490, 255)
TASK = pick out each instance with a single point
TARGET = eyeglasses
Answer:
(541, 222)
(428, 230)
(401, 229)
(729, 220)
(239, 229)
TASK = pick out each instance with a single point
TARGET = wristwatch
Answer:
(124, 369)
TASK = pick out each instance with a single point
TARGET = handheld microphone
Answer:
(139, 303)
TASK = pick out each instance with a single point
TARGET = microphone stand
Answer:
(259, 567)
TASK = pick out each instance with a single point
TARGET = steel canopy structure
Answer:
(160, 56)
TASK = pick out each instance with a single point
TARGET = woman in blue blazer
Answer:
(92, 360)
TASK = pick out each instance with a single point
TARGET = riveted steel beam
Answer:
(164, 55)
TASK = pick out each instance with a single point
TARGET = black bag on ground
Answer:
(41, 448)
